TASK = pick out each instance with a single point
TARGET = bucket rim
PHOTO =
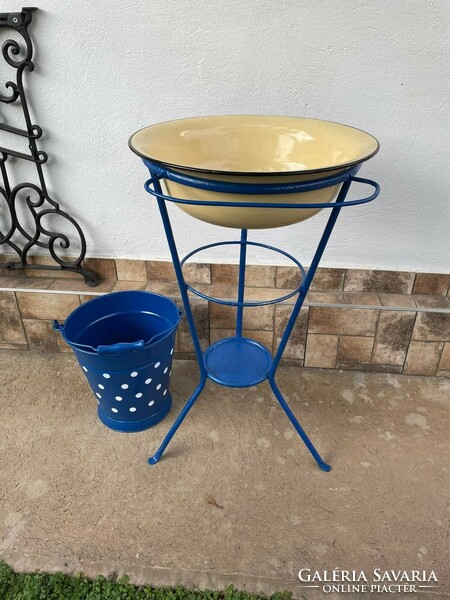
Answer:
(61, 327)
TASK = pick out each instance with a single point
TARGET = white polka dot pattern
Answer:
(136, 387)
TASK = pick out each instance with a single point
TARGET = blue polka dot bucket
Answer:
(124, 343)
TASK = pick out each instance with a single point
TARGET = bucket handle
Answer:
(121, 347)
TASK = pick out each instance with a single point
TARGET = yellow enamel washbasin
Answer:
(253, 149)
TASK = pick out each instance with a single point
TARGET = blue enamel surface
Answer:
(237, 362)
(124, 343)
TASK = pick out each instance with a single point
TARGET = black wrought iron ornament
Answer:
(35, 197)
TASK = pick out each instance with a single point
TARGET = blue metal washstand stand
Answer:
(238, 361)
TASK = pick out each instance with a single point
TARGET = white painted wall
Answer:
(108, 68)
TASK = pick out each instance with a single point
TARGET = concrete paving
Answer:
(237, 498)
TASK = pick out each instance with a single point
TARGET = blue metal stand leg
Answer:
(299, 429)
(241, 284)
(187, 407)
(311, 272)
(181, 282)
(295, 312)
(190, 319)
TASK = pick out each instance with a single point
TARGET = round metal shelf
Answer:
(237, 362)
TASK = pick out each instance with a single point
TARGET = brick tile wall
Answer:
(352, 319)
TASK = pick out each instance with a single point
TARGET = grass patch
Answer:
(45, 586)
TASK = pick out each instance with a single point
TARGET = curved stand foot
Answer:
(324, 467)
(298, 428)
(187, 407)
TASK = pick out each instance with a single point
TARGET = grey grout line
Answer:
(375, 338)
(21, 320)
(409, 343)
(415, 309)
(337, 351)
(380, 307)
(45, 291)
(274, 330)
(440, 358)
(307, 333)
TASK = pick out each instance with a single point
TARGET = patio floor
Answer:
(237, 498)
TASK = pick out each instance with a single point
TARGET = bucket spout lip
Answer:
(57, 326)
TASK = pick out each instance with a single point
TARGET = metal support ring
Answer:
(243, 303)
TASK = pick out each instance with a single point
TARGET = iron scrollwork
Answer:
(36, 200)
